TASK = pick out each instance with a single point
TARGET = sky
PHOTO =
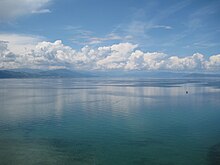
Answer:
(107, 35)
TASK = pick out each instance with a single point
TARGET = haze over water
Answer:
(109, 121)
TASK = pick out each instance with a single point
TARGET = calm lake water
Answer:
(109, 121)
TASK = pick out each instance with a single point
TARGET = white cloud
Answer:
(10, 9)
(185, 63)
(116, 56)
(122, 56)
(20, 43)
(162, 27)
(109, 37)
(145, 61)
(7, 58)
(86, 37)
(213, 63)
(41, 11)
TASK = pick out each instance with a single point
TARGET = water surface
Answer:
(109, 121)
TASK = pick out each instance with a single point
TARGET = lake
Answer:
(98, 121)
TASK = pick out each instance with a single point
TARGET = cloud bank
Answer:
(122, 56)
(10, 9)
(19, 43)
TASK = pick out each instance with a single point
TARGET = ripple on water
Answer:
(214, 155)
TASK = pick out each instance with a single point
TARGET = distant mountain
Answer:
(13, 74)
(65, 73)
(27, 70)
(141, 74)
(29, 73)
(202, 75)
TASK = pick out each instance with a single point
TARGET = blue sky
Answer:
(174, 28)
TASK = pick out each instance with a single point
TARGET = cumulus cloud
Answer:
(213, 63)
(10, 9)
(147, 61)
(7, 58)
(185, 63)
(20, 43)
(115, 56)
(122, 56)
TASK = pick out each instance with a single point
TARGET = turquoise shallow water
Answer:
(109, 121)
